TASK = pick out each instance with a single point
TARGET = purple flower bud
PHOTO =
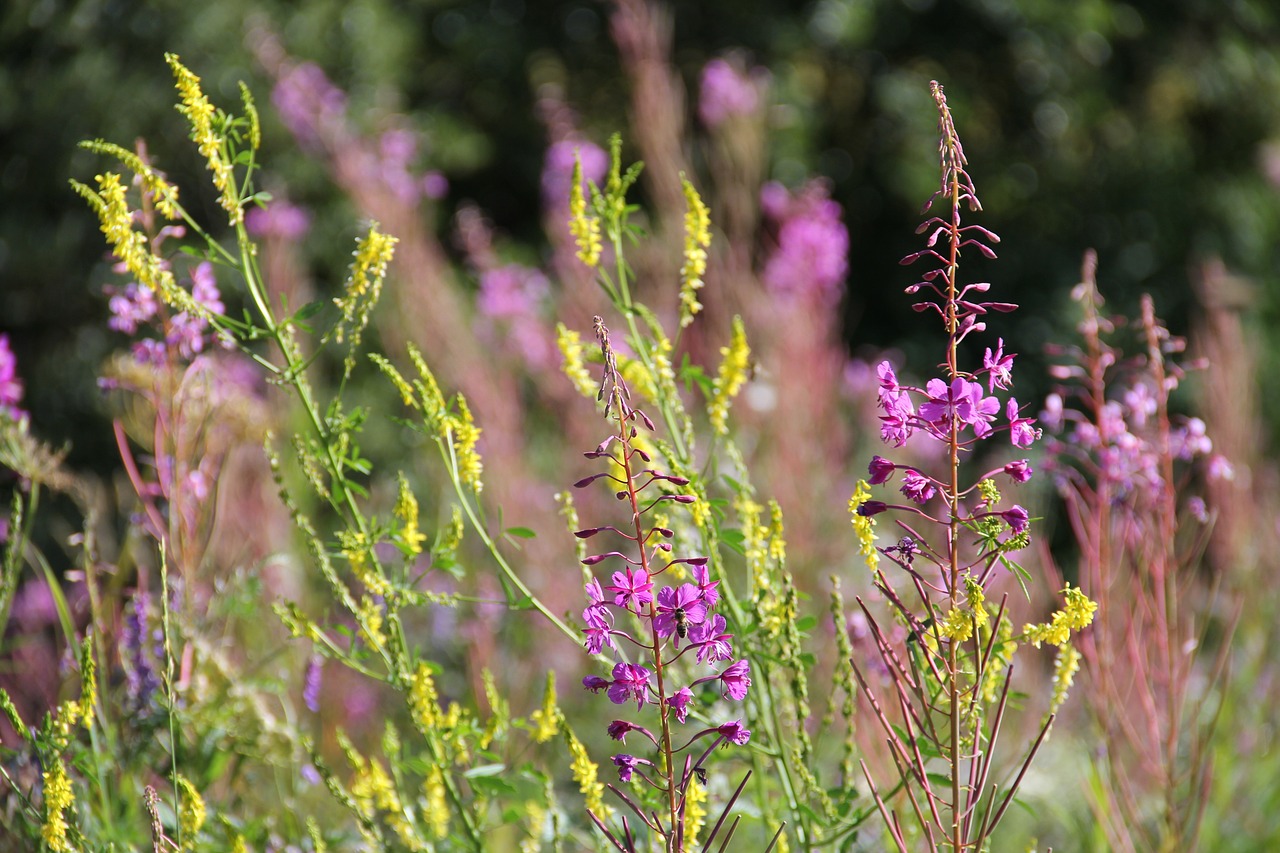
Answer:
(881, 470)
(1016, 517)
(595, 683)
(866, 509)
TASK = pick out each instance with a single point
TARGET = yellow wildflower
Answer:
(777, 545)
(466, 434)
(1064, 671)
(730, 378)
(199, 114)
(364, 285)
(437, 805)
(586, 774)
(369, 616)
(546, 720)
(570, 344)
(357, 548)
(58, 797)
(976, 599)
(88, 682)
(191, 813)
(406, 509)
(585, 229)
(697, 237)
(1079, 610)
(695, 811)
(958, 625)
(864, 526)
(424, 701)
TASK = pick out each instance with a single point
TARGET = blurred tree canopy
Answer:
(1148, 130)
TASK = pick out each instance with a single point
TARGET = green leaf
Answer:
(520, 532)
(310, 310)
(492, 785)
(806, 623)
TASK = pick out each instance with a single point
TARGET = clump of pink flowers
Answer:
(651, 619)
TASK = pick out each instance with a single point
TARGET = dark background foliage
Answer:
(1146, 130)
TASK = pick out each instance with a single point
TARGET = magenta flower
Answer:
(679, 702)
(917, 487)
(998, 366)
(630, 681)
(706, 586)
(1021, 433)
(811, 258)
(712, 640)
(734, 731)
(627, 764)
(735, 680)
(960, 401)
(725, 92)
(631, 589)
(1019, 470)
(881, 470)
(686, 600)
(131, 308)
(1016, 517)
(10, 384)
(597, 637)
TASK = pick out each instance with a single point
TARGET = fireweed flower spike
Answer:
(948, 669)
(657, 622)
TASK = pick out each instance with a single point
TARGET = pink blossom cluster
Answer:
(183, 335)
(810, 257)
(636, 613)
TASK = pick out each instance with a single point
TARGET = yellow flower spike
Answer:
(436, 810)
(957, 626)
(58, 797)
(466, 434)
(88, 682)
(777, 544)
(397, 379)
(864, 526)
(130, 247)
(585, 228)
(730, 378)
(364, 283)
(546, 720)
(586, 774)
(10, 712)
(356, 549)
(195, 107)
(1064, 671)
(570, 345)
(163, 193)
(424, 701)
(406, 510)
(191, 812)
(369, 615)
(976, 599)
(695, 810)
(251, 113)
(697, 237)
(1079, 609)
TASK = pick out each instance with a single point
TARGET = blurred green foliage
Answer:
(1141, 129)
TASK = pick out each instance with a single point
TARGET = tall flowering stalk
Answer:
(664, 628)
(1130, 474)
(949, 680)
